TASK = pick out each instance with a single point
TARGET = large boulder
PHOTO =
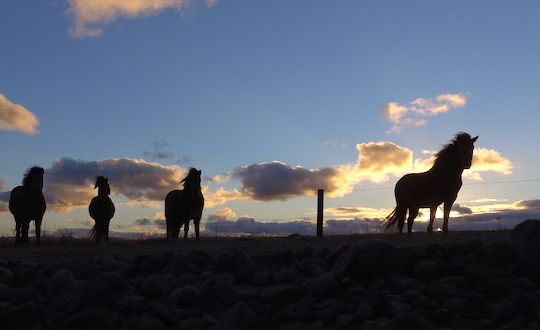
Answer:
(526, 238)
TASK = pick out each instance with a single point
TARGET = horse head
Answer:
(464, 146)
(192, 182)
(33, 179)
(102, 183)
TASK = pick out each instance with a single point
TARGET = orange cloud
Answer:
(412, 114)
(91, 16)
(15, 117)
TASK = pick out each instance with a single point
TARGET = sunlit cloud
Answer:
(485, 160)
(91, 16)
(414, 113)
(222, 214)
(15, 117)
(356, 212)
(379, 160)
(69, 183)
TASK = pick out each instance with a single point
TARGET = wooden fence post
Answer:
(320, 210)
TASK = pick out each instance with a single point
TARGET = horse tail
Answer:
(92, 232)
(394, 218)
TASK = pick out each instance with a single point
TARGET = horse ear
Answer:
(474, 139)
(200, 172)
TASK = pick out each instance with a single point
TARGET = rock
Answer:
(96, 293)
(280, 293)
(148, 322)
(498, 253)
(409, 321)
(113, 279)
(312, 267)
(156, 285)
(186, 295)
(322, 285)
(6, 276)
(90, 319)
(288, 275)
(353, 262)
(17, 317)
(239, 316)
(263, 278)
(457, 305)
(62, 283)
(526, 239)
(426, 270)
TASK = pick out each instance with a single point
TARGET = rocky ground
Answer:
(476, 280)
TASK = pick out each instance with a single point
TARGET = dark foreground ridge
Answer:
(473, 281)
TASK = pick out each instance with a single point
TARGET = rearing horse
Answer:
(27, 203)
(184, 205)
(101, 209)
(438, 185)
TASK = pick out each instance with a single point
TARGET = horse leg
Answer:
(447, 208)
(432, 213)
(25, 227)
(413, 212)
(106, 230)
(18, 225)
(196, 223)
(38, 229)
(186, 228)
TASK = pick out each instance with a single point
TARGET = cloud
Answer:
(159, 151)
(69, 183)
(223, 214)
(279, 181)
(143, 222)
(91, 16)
(15, 117)
(490, 160)
(413, 113)
(247, 226)
(336, 143)
(461, 209)
(340, 213)
(378, 160)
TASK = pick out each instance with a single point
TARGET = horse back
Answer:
(426, 189)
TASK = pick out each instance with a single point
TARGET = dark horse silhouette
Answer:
(184, 205)
(101, 209)
(27, 203)
(438, 185)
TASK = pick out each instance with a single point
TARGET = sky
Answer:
(272, 100)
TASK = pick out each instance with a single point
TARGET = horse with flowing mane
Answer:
(101, 209)
(27, 203)
(183, 205)
(438, 185)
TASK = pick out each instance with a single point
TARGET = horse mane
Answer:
(192, 179)
(30, 175)
(449, 149)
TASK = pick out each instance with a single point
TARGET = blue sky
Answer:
(224, 85)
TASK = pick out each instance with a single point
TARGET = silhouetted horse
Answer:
(101, 209)
(438, 185)
(27, 203)
(184, 205)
